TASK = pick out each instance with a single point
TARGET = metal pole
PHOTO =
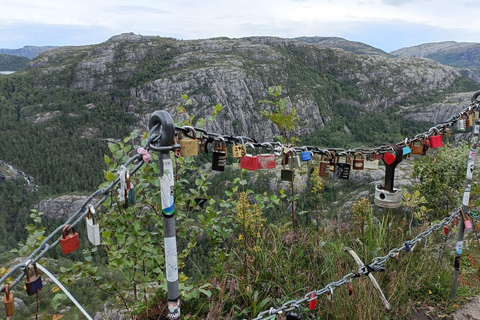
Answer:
(60, 285)
(466, 199)
(166, 131)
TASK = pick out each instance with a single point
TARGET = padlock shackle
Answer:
(269, 145)
(65, 233)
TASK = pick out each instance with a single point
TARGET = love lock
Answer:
(388, 196)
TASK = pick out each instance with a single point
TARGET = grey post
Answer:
(165, 144)
(465, 201)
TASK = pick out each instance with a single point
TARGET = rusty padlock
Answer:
(34, 284)
(324, 167)
(69, 242)
(416, 146)
(9, 302)
(358, 161)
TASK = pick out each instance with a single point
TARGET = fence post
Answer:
(465, 201)
(166, 133)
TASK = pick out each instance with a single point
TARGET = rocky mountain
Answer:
(463, 55)
(149, 73)
(27, 51)
(340, 43)
(12, 63)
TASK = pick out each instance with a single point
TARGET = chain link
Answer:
(76, 218)
(377, 264)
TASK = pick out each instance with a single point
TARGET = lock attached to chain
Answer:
(93, 229)
(387, 196)
(324, 165)
(294, 159)
(372, 162)
(435, 139)
(250, 161)
(69, 242)
(416, 146)
(188, 143)
(306, 155)
(34, 284)
(8, 300)
(343, 166)
(239, 150)
(267, 160)
(286, 174)
(358, 161)
(129, 191)
(219, 159)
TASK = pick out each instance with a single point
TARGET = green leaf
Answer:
(109, 176)
(107, 159)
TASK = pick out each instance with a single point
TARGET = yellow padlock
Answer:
(188, 143)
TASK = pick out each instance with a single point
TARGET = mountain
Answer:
(340, 43)
(27, 51)
(12, 63)
(148, 73)
(463, 55)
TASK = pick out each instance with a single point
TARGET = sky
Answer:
(384, 24)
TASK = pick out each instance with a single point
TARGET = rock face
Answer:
(152, 73)
(61, 207)
(470, 311)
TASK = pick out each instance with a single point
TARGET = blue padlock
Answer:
(406, 150)
(306, 155)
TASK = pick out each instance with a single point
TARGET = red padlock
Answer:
(69, 242)
(436, 140)
(313, 303)
(267, 161)
(250, 161)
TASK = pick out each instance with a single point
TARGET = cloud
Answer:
(135, 9)
(397, 3)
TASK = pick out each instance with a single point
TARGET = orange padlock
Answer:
(9, 302)
(69, 242)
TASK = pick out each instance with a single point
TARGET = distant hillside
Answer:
(462, 55)
(27, 51)
(340, 43)
(12, 63)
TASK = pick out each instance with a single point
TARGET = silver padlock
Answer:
(93, 229)
(295, 159)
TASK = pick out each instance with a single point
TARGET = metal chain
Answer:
(377, 264)
(278, 147)
(78, 216)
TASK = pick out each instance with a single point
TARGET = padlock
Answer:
(287, 174)
(129, 191)
(465, 119)
(188, 142)
(416, 146)
(69, 242)
(293, 316)
(446, 131)
(435, 140)
(426, 144)
(323, 168)
(267, 161)
(201, 144)
(250, 161)
(306, 155)
(470, 119)
(350, 288)
(219, 159)
(313, 303)
(332, 161)
(358, 161)
(461, 124)
(34, 284)
(329, 301)
(372, 162)
(406, 151)
(239, 150)
(93, 229)
(343, 168)
(476, 115)
(294, 159)
(9, 302)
